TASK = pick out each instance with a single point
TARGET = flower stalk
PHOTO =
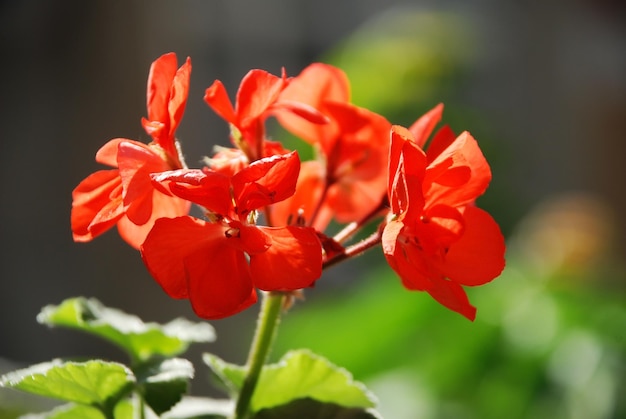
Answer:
(355, 250)
(269, 317)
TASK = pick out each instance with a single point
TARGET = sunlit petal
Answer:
(293, 261)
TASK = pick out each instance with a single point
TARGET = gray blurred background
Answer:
(546, 79)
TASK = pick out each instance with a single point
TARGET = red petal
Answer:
(442, 140)
(416, 272)
(398, 190)
(463, 152)
(346, 123)
(414, 160)
(169, 242)
(94, 198)
(404, 258)
(478, 256)
(399, 135)
(136, 162)
(133, 155)
(407, 164)
(257, 92)
(293, 261)
(111, 213)
(107, 154)
(163, 206)
(269, 180)
(217, 98)
(155, 129)
(423, 127)
(309, 189)
(251, 239)
(160, 78)
(304, 111)
(357, 164)
(350, 201)
(439, 228)
(178, 99)
(273, 148)
(362, 148)
(219, 282)
(452, 296)
(402, 143)
(452, 176)
(166, 99)
(168, 89)
(192, 259)
(316, 84)
(206, 188)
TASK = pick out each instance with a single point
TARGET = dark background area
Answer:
(548, 79)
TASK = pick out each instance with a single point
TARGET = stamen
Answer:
(300, 220)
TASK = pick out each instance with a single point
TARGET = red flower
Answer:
(436, 239)
(348, 180)
(257, 98)
(218, 264)
(124, 196)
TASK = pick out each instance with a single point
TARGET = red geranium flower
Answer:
(218, 264)
(257, 98)
(348, 179)
(125, 196)
(436, 239)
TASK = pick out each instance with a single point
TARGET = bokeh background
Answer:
(541, 85)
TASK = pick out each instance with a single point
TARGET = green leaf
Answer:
(299, 374)
(96, 383)
(302, 374)
(68, 411)
(230, 376)
(163, 382)
(141, 340)
(313, 409)
(123, 410)
(201, 408)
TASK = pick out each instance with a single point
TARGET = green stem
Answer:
(108, 412)
(269, 317)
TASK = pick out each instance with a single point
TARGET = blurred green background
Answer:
(540, 87)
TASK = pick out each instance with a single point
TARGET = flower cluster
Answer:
(265, 213)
